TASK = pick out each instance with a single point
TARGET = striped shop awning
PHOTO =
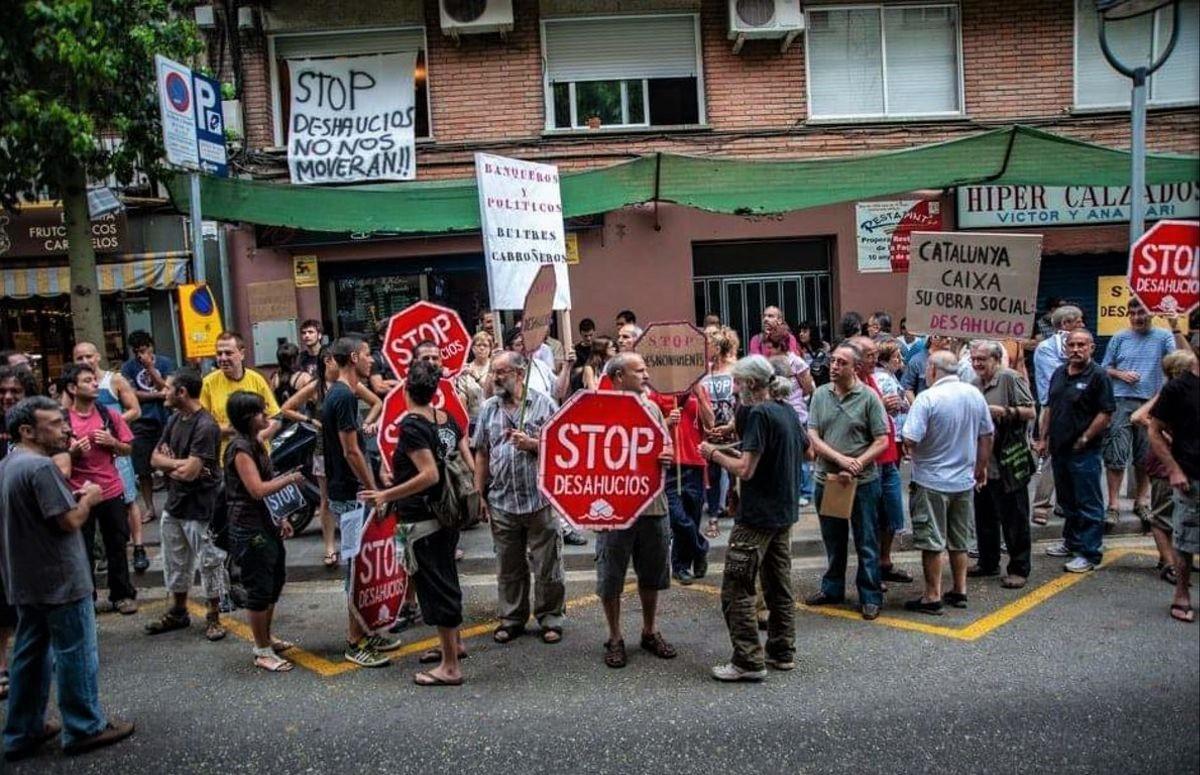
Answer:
(143, 270)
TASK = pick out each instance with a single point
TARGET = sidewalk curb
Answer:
(802, 548)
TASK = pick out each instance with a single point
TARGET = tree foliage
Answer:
(73, 71)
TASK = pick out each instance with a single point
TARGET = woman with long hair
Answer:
(718, 383)
(257, 540)
(470, 383)
(289, 377)
(427, 437)
(603, 348)
(305, 406)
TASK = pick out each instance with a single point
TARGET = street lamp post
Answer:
(1113, 10)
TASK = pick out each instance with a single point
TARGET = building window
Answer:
(1134, 41)
(884, 61)
(346, 44)
(622, 72)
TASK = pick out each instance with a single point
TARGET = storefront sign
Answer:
(379, 579)
(925, 215)
(538, 309)
(272, 300)
(41, 230)
(676, 356)
(572, 248)
(973, 285)
(199, 320)
(874, 224)
(304, 271)
(991, 206)
(520, 209)
(352, 119)
(1112, 307)
(599, 465)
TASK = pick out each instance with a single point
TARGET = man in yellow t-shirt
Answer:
(231, 376)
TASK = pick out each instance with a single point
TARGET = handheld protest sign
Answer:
(676, 356)
(426, 322)
(378, 578)
(539, 308)
(599, 463)
(395, 406)
(1164, 268)
(973, 285)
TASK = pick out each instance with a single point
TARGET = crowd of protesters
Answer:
(796, 423)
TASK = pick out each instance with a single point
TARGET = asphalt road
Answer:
(1085, 675)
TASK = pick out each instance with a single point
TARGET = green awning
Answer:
(1016, 155)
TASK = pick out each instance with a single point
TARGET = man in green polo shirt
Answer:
(848, 428)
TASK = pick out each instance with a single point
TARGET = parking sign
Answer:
(210, 125)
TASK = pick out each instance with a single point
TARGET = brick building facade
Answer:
(1027, 61)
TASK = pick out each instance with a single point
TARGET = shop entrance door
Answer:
(737, 280)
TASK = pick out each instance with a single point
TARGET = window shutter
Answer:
(922, 60)
(1179, 79)
(614, 49)
(845, 62)
(350, 43)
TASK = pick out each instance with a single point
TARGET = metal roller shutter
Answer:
(613, 49)
(350, 43)
(1074, 277)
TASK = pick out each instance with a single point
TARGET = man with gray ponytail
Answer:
(760, 544)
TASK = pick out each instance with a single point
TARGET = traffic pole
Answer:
(1137, 151)
(197, 230)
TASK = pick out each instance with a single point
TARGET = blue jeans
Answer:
(1077, 478)
(718, 487)
(807, 480)
(684, 504)
(835, 533)
(58, 640)
(891, 499)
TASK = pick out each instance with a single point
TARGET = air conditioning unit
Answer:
(758, 19)
(474, 17)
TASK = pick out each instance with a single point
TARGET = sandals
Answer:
(1168, 574)
(425, 678)
(1040, 519)
(1183, 613)
(169, 621)
(273, 663)
(434, 655)
(714, 528)
(507, 633)
(214, 630)
(614, 654)
(280, 646)
(899, 575)
(552, 635)
(657, 645)
(331, 559)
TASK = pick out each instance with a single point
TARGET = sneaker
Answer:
(363, 655)
(782, 665)
(804, 503)
(1079, 565)
(731, 673)
(382, 644)
(574, 538)
(140, 561)
(126, 607)
(684, 577)
(1058, 550)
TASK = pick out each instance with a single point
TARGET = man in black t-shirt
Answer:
(187, 456)
(310, 348)
(1078, 412)
(347, 471)
(1177, 412)
(760, 544)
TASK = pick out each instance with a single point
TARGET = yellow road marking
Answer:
(328, 668)
(979, 627)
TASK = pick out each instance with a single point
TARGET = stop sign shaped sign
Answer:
(379, 579)
(395, 406)
(421, 322)
(1164, 267)
(599, 459)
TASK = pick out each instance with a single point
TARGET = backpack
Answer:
(458, 505)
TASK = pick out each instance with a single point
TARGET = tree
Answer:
(72, 71)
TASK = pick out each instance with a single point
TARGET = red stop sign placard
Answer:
(1164, 267)
(676, 355)
(599, 460)
(379, 580)
(395, 406)
(425, 321)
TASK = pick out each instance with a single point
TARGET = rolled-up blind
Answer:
(614, 49)
(350, 43)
